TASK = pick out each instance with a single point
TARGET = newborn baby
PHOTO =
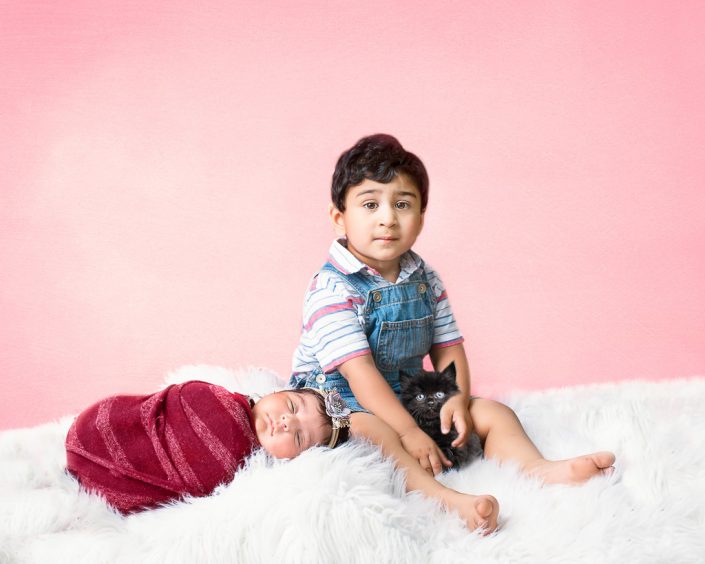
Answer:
(139, 452)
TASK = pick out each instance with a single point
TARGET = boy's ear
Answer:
(337, 219)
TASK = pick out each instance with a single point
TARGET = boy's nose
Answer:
(388, 216)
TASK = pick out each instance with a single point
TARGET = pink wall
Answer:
(164, 171)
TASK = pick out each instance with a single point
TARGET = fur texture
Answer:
(423, 395)
(348, 505)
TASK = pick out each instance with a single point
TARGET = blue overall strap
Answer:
(362, 283)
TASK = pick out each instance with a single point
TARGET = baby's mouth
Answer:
(271, 425)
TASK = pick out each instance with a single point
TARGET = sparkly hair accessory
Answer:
(338, 411)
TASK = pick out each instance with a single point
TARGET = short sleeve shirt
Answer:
(334, 319)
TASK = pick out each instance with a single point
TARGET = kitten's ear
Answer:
(449, 371)
(403, 379)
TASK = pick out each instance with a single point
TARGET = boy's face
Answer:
(381, 222)
(288, 423)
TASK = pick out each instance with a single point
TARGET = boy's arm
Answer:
(373, 393)
(456, 410)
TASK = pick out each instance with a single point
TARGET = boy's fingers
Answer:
(426, 465)
(461, 427)
(436, 465)
(443, 458)
(446, 421)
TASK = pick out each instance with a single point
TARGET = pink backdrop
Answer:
(164, 174)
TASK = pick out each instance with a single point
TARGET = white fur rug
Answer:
(348, 505)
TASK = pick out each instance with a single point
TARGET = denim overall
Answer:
(398, 322)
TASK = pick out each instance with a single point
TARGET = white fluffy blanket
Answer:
(348, 505)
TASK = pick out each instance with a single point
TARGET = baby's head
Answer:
(380, 158)
(291, 421)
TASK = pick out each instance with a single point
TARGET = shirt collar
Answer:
(347, 263)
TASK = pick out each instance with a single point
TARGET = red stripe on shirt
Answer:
(325, 311)
(333, 365)
(449, 343)
(337, 265)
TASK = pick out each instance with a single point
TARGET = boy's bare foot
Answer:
(478, 511)
(573, 470)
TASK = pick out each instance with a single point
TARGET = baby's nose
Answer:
(287, 422)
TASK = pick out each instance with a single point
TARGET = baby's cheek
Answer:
(281, 448)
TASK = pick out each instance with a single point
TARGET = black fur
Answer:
(423, 395)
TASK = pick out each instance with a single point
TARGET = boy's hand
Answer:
(455, 412)
(424, 449)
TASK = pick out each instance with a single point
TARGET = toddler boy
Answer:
(376, 308)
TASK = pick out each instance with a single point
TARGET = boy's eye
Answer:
(402, 205)
(420, 397)
(291, 406)
(298, 439)
(370, 205)
(440, 395)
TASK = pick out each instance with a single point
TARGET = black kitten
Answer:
(423, 395)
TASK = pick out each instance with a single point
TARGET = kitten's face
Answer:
(423, 395)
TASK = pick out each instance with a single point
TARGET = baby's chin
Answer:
(278, 454)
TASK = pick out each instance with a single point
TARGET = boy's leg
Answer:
(476, 511)
(504, 439)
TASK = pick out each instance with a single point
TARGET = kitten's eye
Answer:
(420, 397)
(440, 395)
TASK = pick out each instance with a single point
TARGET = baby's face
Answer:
(288, 423)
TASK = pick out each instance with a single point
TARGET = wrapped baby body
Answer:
(142, 451)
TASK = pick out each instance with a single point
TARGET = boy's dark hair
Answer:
(380, 158)
(343, 434)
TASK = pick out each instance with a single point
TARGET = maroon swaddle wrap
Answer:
(141, 451)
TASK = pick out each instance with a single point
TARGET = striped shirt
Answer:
(333, 319)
